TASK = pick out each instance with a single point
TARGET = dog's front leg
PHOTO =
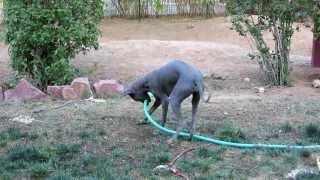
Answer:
(176, 109)
(165, 104)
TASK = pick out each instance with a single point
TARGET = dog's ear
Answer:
(126, 91)
(146, 86)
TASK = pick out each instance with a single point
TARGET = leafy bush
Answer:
(44, 35)
(252, 18)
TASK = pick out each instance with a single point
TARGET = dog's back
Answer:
(167, 76)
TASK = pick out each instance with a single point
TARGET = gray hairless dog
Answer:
(170, 84)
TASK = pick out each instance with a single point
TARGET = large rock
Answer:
(107, 88)
(55, 91)
(1, 94)
(68, 93)
(81, 87)
(24, 91)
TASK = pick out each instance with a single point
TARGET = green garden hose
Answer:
(220, 142)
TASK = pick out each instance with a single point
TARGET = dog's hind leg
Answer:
(195, 103)
(181, 91)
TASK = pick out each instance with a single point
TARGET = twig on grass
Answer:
(171, 166)
(54, 108)
(91, 99)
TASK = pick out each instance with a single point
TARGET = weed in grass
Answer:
(312, 133)
(229, 133)
(40, 170)
(204, 152)
(89, 160)
(311, 130)
(286, 128)
(117, 153)
(101, 132)
(105, 170)
(274, 152)
(266, 166)
(304, 176)
(86, 135)
(217, 154)
(10, 134)
(32, 136)
(15, 133)
(65, 152)
(224, 174)
(290, 159)
(29, 153)
(61, 175)
(6, 177)
(15, 165)
(3, 139)
(158, 158)
(195, 165)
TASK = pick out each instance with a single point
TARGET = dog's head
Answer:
(138, 90)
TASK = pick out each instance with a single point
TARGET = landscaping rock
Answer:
(106, 88)
(316, 83)
(55, 91)
(219, 9)
(68, 93)
(1, 94)
(81, 87)
(24, 91)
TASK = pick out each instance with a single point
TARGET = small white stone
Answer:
(260, 89)
(23, 119)
(246, 79)
(316, 83)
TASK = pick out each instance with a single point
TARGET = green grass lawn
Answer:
(103, 141)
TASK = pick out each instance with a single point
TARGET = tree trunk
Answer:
(316, 52)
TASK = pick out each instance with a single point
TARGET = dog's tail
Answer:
(204, 95)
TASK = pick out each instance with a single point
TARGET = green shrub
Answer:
(44, 35)
(286, 128)
(253, 18)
